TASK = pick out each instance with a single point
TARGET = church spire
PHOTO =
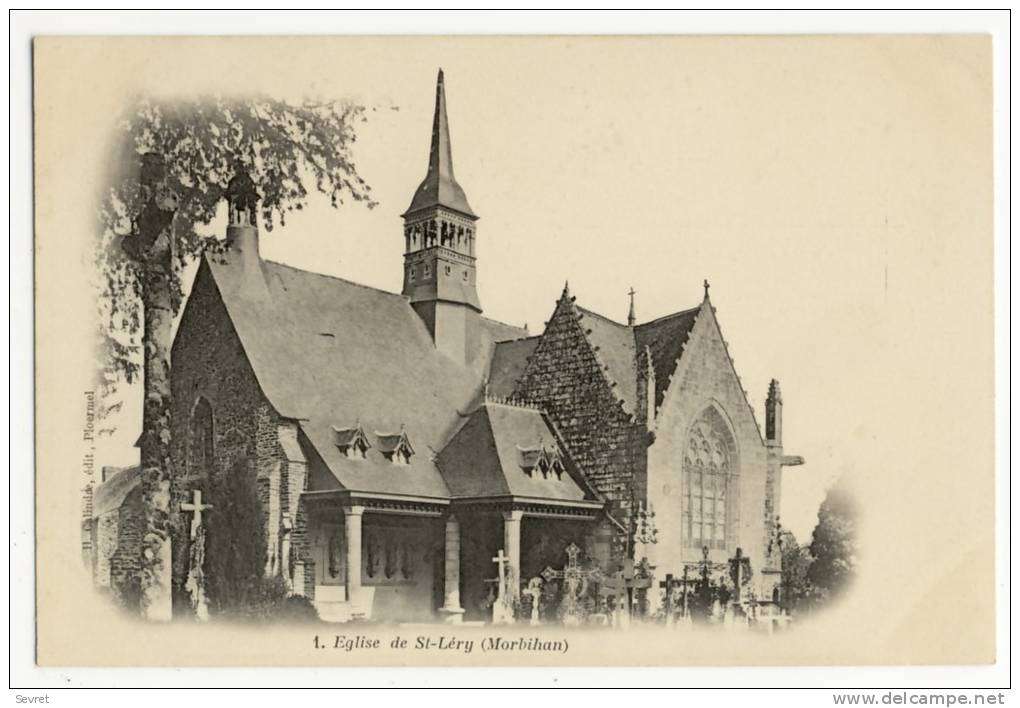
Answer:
(440, 188)
(440, 271)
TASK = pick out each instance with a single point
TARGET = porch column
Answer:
(352, 537)
(451, 609)
(512, 548)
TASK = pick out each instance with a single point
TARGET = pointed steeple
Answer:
(440, 273)
(440, 188)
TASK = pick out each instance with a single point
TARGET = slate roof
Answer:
(484, 457)
(665, 339)
(613, 344)
(332, 354)
(110, 495)
(617, 346)
(509, 360)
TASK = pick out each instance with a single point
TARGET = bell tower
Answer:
(439, 250)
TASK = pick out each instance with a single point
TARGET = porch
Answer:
(389, 559)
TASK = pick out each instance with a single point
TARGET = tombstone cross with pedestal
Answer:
(575, 583)
(195, 584)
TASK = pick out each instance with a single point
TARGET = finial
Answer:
(774, 393)
(631, 317)
(706, 286)
(566, 289)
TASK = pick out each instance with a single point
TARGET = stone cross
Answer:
(623, 584)
(671, 585)
(575, 583)
(195, 582)
(196, 507)
(534, 591)
(501, 559)
(502, 611)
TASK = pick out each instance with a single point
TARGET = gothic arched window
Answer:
(201, 439)
(710, 483)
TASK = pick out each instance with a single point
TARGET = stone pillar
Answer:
(512, 549)
(451, 609)
(352, 537)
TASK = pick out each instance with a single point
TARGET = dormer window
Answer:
(530, 457)
(542, 461)
(543, 467)
(554, 463)
(352, 442)
(395, 447)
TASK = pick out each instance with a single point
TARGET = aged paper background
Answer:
(837, 191)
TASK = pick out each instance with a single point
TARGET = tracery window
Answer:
(201, 439)
(710, 469)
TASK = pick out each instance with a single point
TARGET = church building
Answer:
(397, 443)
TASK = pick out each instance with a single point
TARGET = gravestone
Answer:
(575, 581)
(195, 583)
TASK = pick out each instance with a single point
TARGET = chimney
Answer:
(243, 230)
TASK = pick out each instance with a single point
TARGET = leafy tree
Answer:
(833, 545)
(795, 587)
(236, 541)
(151, 221)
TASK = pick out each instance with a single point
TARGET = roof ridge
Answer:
(519, 339)
(501, 323)
(510, 402)
(334, 277)
(669, 316)
(601, 316)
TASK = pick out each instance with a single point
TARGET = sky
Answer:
(822, 186)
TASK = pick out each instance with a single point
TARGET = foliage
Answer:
(833, 545)
(273, 603)
(796, 588)
(236, 554)
(236, 542)
(284, 147)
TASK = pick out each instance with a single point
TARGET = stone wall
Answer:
(208, 361)
(565, 377)
(104, 546)
(704, 379)
(121, 530)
